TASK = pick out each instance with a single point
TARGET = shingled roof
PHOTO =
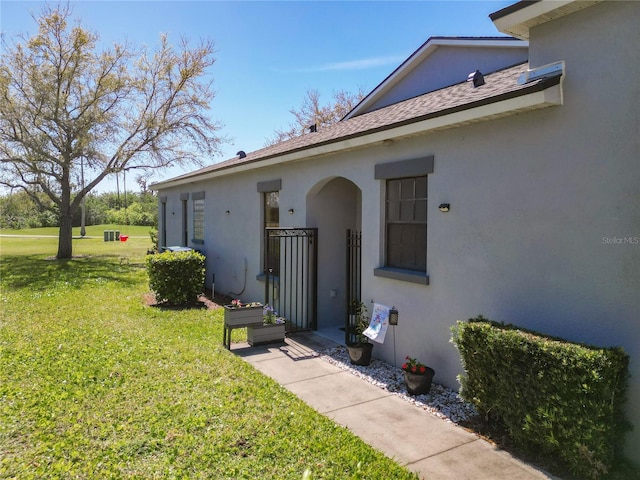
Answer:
(499, 86)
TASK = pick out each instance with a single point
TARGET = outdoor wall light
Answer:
(227, 212)
(444, 207)
(291, 211)
(393, 316)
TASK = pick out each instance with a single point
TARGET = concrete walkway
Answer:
(430, 446)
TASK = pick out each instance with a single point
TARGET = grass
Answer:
(95, 384)
(91, 231)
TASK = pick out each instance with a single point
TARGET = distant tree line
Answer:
(18, 210)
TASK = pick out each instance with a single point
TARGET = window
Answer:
(406, 223)
(163, 222)
(198, 217)
(184, 197)
(405, 219)
(270, 191)
(271, 209)
(271, 201)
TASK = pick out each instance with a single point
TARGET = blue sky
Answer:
(269, 53)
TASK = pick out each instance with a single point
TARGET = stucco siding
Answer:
(602, 116)
(544, 226)
(449, 65)
(542, 232)
(533, 198)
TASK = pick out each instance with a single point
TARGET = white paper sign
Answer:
(379, 323)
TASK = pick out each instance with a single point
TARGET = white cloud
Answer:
(362, 64)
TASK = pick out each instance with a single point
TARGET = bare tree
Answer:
(311, 112)
(67, 107)
(143, 181)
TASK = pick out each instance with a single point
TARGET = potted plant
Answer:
(417, 376)
(272, 328)
(238, 313)
(360, 350)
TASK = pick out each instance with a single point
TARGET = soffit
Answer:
(519, 18)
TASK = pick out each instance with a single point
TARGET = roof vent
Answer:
(476, 77)
(313, 128)
(241, 154)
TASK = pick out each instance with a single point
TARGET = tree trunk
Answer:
(65, 237)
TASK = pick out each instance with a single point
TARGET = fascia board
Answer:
(520, 21)
(545, 98)
(395, 76)
(511, 24)
(506, 42)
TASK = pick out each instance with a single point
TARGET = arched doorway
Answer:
(334, 205)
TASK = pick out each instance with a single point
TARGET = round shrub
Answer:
(176, 278)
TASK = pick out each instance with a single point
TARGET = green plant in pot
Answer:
(272, 328)
(360, 350)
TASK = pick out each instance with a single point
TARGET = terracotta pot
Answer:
(360, 353)
(419, 384)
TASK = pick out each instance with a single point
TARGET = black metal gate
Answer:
(291, 259)
(354, 285)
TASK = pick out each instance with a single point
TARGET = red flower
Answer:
(414, 366)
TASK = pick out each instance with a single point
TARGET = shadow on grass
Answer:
(38, 273)
(203, 303)
(188, 306)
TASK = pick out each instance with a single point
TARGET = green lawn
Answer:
(95, 384)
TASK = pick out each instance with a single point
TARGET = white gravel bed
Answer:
(440, 401)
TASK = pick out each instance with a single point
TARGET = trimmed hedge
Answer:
(561, 399)
(176, 278)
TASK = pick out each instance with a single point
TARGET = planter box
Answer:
(246, 316)
(261, 334)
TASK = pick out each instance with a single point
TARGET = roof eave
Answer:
(541, 95)
(517, 19)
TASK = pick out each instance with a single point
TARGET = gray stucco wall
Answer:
(544, 227)
(600, 46)
(449, 65)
